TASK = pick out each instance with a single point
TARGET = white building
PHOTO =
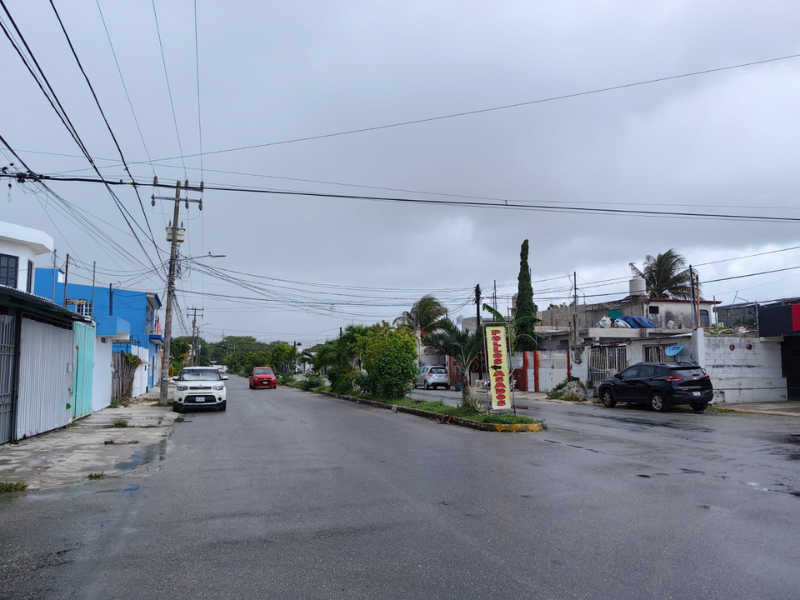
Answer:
(19, 247)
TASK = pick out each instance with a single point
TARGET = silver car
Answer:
(433, 377)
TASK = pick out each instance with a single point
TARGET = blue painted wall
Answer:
(128, 305)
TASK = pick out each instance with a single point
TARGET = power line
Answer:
(169, 90)
(197, 76)
(125, 87)
(108, 125)
(464, 204)
(497, 108)
(55, 103)
(714, 262)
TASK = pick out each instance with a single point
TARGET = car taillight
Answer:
(430, 373)
(706, 377)
(674, 378)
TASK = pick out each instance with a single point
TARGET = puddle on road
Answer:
(145, 456)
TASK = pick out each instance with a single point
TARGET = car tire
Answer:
(426, 386)
(658, 402)
(176, 407)
(607, 396)
(699, 406)
(447, 387)
(223, 405)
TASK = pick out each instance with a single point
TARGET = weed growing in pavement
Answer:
(120, 423)
(712, 408)
(12, 486)
(119, 403)
(96, 476)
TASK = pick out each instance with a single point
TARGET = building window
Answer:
(84, 310)
(704, 320)
(653, 310)
(29, 286)
(652, 354)
(8, 270)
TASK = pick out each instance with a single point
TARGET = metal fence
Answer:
(605, 361)
(7, 352)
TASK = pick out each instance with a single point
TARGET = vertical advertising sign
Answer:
(497, 366)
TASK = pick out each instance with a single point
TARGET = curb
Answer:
(444, 419)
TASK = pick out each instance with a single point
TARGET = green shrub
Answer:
(286, 379)
(311, 382)
(343, 385)
(367, 383)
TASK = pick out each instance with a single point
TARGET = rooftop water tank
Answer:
(638, 286)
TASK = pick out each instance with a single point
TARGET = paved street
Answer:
(294, 495)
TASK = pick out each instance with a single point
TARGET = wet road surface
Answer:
(294, 495)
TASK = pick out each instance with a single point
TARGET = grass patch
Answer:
(119, 403)
(445, 409)
(712, 408)
(12, 486)
(168, 404)
(120, 423)
(96, 476)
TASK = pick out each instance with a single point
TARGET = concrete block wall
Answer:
(744, 369)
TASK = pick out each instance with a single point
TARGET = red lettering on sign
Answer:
(501, 403)
(501, 398)
(496, 338)
(497, 355)
(495, 332)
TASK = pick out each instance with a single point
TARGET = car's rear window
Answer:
(688, 373)
(200, 375)
(263, 372)
(438, 371)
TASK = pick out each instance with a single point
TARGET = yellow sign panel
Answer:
(497, 366)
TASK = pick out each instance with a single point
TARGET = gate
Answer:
(84, 370)
(117, 362)
(46, 368)
(7, 352)
(605, 361)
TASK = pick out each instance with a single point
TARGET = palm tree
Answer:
(464, 348)
(424, 316)
(666, 276)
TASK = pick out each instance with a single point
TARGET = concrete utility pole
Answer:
(173, 256)
(694, 307)
(575, 308)
(66, 278)
(478, 325)
(195, 350)
(53, 297)
(94, 269)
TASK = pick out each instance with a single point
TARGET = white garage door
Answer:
(46, 361)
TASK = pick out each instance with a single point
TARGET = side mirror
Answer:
(618, 376)
(224, 377)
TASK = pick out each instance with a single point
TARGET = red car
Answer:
(263, 377)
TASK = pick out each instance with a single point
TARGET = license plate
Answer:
(695, 393)
(199, 399)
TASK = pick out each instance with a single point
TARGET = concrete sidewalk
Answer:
(70, 454)
(785, 409)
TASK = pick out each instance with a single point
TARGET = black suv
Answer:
(660, 385)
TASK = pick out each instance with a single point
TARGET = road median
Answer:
(517, 424)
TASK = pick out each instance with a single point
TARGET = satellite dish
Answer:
(673, 350)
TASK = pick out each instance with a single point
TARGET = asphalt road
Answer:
(294, 495)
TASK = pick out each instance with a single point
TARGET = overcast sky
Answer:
(272, 71)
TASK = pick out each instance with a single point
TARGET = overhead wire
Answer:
(498, 108)
(169, 89)
(108, 125)
(55, 103)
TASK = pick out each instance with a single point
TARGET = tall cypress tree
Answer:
(525, 315)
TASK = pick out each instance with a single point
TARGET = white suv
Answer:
(200, 386)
